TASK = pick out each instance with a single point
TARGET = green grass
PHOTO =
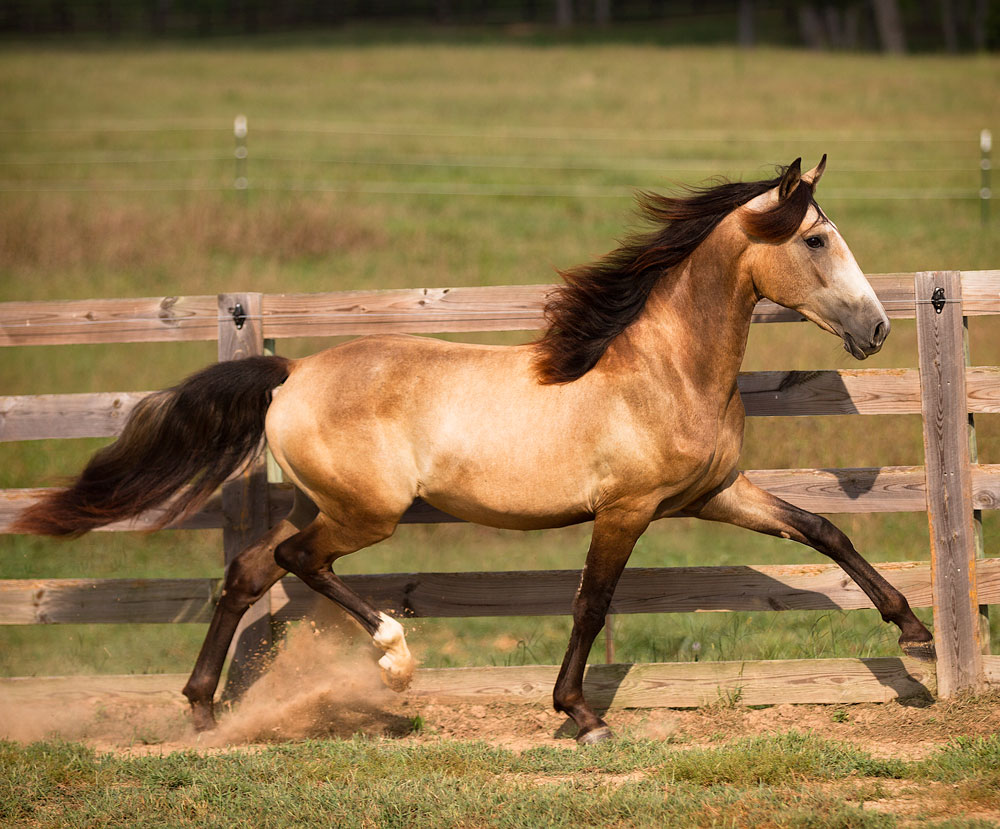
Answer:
(783, 780)
(375, 132)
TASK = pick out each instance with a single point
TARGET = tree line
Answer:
(888, 25)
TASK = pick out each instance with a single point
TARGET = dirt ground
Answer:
(325, 685)
(903, 730)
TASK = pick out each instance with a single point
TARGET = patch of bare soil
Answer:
(906, 729)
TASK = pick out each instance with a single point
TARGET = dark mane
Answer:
(600, 300)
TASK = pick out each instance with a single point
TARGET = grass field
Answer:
(375, 163)
(784, 780)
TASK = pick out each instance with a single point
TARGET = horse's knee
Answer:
(289, 556)
(589, 613)
(245, 583)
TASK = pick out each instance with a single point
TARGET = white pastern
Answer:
(397, 665)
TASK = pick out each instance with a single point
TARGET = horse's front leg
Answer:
(615, 534)
(746, 505)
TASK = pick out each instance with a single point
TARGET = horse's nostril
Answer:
(880, 333)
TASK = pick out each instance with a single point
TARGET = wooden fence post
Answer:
(940, 345)
(245, 498)
(977, 515)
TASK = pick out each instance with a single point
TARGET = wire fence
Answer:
(944, 161)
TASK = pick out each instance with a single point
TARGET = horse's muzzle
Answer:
(863, 347)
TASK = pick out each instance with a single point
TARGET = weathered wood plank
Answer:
(692, 684)
(982, 387)
(147, 319)
(491, 308)
(641, 590)
(980, 292)
(986, 486)
(949, 501)
(35, 417)
(991, 669)
(864, 391)
(451, 595)
(106, 689)
(654, 685)
(874, 489)
(416, 310)
(107, 601)
(985, 643)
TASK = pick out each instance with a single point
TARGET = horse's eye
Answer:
(815, 241)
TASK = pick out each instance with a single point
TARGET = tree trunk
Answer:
(890, 26)
(747, 34)
(602, 12)
(564, 13)
(980, 13)
(948, 26)
(811, 27)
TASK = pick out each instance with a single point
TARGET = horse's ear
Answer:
(816, 173)
(790, 180)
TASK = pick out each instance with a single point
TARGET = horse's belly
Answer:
(506, 518)
(507, 497)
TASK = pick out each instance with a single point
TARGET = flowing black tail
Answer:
(198, 433)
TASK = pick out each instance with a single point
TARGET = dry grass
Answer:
(65, 232)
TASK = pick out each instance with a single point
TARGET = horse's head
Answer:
(798, 259)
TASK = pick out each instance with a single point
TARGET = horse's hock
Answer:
(952, 488)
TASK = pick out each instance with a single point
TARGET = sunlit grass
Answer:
(786, 779)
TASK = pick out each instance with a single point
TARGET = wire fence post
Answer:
(241, 182)
(609, 638)
(985, 175)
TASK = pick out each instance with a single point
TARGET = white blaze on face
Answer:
(848, 275)
(397, 665)
(847, 305)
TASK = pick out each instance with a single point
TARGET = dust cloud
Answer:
(323, 682)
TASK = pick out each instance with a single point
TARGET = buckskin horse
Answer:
(630, 393)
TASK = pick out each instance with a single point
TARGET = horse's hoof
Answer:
(921, 651)
(203, 721)
(596, 735)
(395, 678)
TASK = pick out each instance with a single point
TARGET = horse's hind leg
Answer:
(746, 505)
(611, 545)
(248, 577)
(309, 555)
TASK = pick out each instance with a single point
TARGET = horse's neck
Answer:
(697, 318)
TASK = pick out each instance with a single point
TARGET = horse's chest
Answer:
(700, 444)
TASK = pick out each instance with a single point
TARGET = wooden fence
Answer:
(952, 487)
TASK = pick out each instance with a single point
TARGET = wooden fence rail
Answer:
(952, 487)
